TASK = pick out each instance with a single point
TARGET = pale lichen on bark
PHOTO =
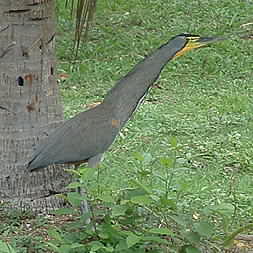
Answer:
(29, 102)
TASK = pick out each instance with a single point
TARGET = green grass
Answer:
(203, 99)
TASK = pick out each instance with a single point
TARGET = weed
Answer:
(150, 214)
(146, 196)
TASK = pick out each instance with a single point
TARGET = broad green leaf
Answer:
(65, 248)
(74, 198)
(226, 209)
(133, 192)
(87, 173)
(104, 235)
(122, 245)
(138, 156)
(173, 141)
(6, 248)
(183, 185)
(119, 210)
(132, 240)
(96, 245)
(75, 195)
(53, 233)
(179, 220)
(170, 203)
(53, 247)
(141, 185)
(167, 162)
(76, 245)
(157, 239)
(162, 231)
(109, 249)
(192, 249)
(192, 237)
(204, 228)
(106, 198)
(141, 200)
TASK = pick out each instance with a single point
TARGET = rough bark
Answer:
(29, 102)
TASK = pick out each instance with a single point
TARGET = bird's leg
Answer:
(84, 208)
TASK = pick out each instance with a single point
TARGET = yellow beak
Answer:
(197, 42)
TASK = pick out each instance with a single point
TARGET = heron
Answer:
(89, 134)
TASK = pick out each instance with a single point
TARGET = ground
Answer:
(189, 146)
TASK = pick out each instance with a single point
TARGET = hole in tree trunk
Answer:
(20, 81)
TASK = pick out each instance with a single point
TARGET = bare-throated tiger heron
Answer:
(85, 137)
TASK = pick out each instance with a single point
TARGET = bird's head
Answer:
(194, 41)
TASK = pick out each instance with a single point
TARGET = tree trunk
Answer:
(29, 102)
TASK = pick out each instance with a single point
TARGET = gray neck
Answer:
(129, 91)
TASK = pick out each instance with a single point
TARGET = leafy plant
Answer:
(6, 247)
(139, 218)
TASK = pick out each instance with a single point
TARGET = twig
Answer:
(247, 24)
(244, 237)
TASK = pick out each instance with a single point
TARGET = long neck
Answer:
(129, 91)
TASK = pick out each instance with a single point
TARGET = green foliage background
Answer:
(180, 173)
(204, 99)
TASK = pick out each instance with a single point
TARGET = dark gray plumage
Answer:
(89, 134)
(78, 139)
